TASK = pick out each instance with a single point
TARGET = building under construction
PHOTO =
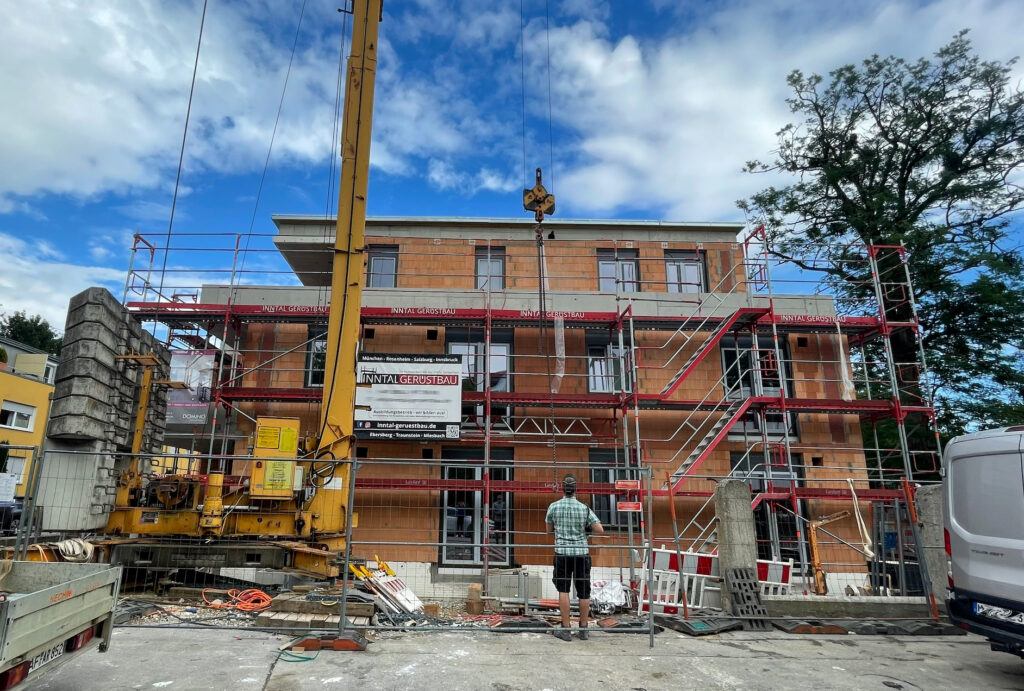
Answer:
(676, 353)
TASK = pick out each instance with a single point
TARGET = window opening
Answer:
(490, 267)
(17, 416)
(685, 272)
(316, 358)
(382, 266)
(618, 270)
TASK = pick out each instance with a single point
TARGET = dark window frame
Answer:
(618, 259)
(488, 256)
(316, 354)
(606, 466)
(377, 276)
(698, 257)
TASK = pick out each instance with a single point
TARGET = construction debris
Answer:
(697, 626)
(388, 587)
(745, 591)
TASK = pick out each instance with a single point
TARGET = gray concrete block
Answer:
(928, 501)
(737, 538)
(101, 347)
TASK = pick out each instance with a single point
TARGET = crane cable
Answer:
(181, 159)
(273, 136)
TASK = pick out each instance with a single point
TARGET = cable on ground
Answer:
(251, 600)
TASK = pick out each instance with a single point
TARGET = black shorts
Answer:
(573, 570)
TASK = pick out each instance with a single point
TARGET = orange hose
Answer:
(252, 600)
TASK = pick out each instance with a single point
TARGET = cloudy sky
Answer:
(654, 107)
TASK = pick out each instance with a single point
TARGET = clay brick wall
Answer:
(449, 264)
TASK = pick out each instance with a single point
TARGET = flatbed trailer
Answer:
(50, 611)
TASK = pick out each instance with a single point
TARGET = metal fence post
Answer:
(343, 615)
(29, 510)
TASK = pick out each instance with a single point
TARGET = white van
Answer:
(984, 521)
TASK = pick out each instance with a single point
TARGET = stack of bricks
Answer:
(93, 411)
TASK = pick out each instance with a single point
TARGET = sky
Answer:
(644, 109)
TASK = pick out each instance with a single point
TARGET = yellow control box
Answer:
(274, 478)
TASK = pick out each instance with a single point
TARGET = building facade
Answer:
(601, 348)
(26, 385)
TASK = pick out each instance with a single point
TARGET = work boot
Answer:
(563, 634)
(583, 634)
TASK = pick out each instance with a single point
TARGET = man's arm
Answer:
(594, 523)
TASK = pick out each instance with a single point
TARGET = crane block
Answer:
(538, 199)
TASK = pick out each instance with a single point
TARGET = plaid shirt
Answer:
(570, 519)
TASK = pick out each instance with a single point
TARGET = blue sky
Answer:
(656, 105)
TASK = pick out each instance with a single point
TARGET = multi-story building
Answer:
(664, 345)
(26, 382)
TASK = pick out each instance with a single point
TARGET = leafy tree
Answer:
(926, 154)
(32, 330)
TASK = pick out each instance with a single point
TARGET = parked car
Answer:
(984, 529)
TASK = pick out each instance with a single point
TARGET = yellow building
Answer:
(24, 409)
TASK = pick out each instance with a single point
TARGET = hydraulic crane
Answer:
(296, 506)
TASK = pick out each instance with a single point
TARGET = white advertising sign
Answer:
(408, 397)
(194, 367)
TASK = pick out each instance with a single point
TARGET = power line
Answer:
(551, 136)
(181, 154)
(273, 134)
(522, 52)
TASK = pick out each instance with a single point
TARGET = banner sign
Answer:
(408, 397)
(190, 406)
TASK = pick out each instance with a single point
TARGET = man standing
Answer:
(569, 519)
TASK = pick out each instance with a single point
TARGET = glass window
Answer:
(474, 378)
(604, 369)
(684, 272)
(490, 267)
(17, 416)
(756, 372)
(49, 372)
(382, 266)
(607, 466)
(617, 271)
(316, 358)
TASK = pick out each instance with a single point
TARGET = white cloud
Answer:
(658, 127)
(103, 88)
(665, 126)
(34, 282)
(444, 176)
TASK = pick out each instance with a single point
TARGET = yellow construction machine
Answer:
(298, 505)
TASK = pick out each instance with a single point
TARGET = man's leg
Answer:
(563, 581)
(583, 593)
(563, 608)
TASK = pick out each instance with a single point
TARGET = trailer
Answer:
(50, 611)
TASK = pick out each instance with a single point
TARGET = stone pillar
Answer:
(737, 540)
(930, 526)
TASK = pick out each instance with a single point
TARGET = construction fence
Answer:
(446, 544)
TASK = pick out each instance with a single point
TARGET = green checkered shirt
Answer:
(570, 519)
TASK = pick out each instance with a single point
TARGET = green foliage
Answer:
(31, 330)
(3, 355)
(922, 154)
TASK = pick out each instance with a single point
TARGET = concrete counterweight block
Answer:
(93, 411)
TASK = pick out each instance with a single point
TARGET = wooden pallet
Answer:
(301, 620)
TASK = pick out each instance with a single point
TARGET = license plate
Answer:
(46, 656)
